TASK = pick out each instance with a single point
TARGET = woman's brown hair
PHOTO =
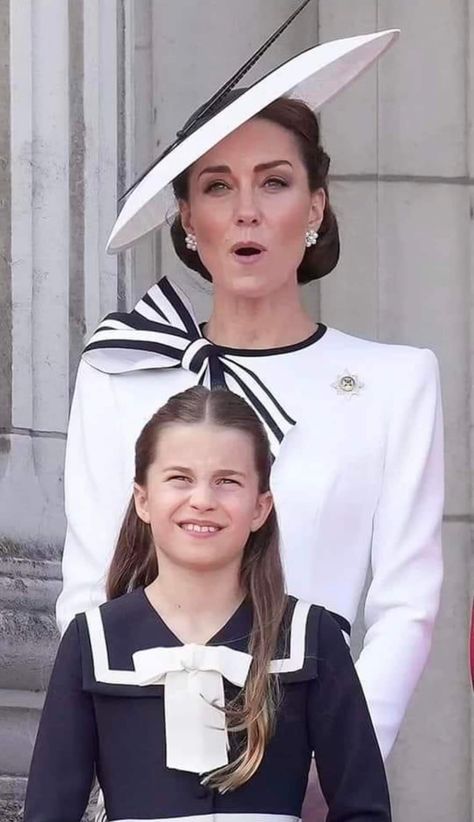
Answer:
(296, 117)
(134, 564)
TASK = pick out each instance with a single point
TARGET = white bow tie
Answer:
(192, 675)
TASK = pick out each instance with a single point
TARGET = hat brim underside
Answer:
(315, 76)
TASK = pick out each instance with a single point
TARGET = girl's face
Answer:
(201, 496)
(249, 205)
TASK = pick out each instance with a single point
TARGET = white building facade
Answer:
(90, 92)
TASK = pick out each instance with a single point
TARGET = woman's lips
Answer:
(250, 260)
(247, 246)
(248, 253)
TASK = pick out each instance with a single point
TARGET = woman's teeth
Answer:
(200, 529)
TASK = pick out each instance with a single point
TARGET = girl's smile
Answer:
(200, 529)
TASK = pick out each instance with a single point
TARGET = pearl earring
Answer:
(311, 237)
(191, 242)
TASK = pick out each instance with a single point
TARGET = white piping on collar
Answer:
(103, 672)
(297, 641)
(219, 817)
(100, 656)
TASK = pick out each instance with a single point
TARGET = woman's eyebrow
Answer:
(259, 167)
(272, 164)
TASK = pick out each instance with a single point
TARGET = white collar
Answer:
(193, 678)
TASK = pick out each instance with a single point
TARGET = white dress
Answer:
(358, 482)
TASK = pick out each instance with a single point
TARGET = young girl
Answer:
(201, 691)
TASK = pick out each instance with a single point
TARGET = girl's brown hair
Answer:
(296, 117)
(134, 564)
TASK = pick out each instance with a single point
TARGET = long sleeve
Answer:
(347, 754)
(95, 496)
(63, 763)
(403, 597)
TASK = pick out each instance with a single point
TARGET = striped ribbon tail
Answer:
(248, 385)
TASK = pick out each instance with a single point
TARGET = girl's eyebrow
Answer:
(259, 167)
(229, 472)
(179, 468)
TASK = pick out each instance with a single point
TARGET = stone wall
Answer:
(59, 123)
(77, 122)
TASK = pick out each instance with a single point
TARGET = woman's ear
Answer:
(262, 510)
(140, 497)
(316, 212)
(185, 216)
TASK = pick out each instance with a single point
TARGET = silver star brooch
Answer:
(348, 385)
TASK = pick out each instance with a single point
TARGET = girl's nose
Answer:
(203, 497)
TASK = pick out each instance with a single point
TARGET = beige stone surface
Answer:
(430, 767)
(402, 147)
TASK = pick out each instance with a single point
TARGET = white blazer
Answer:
(358, 484)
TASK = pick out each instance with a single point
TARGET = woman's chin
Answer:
(252, 284)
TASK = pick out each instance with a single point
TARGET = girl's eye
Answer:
(179, 478)
(276, 182)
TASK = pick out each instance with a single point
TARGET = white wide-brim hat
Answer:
(314, 76)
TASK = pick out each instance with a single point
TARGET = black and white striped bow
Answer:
(162, 332)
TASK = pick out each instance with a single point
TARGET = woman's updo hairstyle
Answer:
(297, 117)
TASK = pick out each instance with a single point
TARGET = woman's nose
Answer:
(247, 210)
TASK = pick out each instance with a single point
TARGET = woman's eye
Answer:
(217, 186)
(276, 182)
(179, 478)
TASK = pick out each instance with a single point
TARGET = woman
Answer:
(355, 425)
(151, 688)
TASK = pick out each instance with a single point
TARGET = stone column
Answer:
(58, 134)
(139, 267)
(399, 141)
(469, 510)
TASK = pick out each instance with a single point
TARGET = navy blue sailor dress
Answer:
(112, 707)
